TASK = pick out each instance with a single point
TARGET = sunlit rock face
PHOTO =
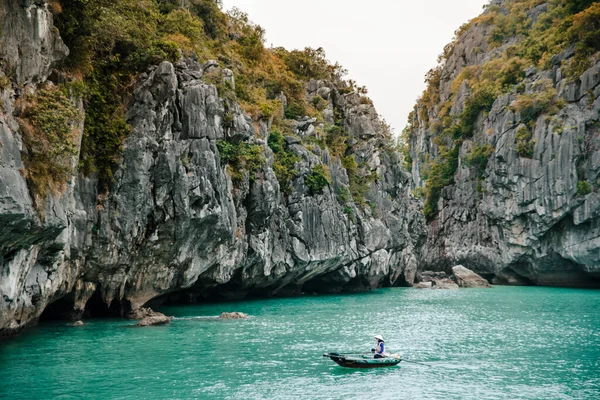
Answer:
(174, 223)
(527, 218)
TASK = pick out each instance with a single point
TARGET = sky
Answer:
(386, 45)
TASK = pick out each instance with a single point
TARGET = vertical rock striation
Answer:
(175, 221)
(33, 250)
(531, 215)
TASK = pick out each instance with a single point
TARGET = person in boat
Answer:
(380, 348)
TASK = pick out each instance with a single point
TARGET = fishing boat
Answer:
(363, 360)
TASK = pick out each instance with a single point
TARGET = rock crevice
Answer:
(177, 222)
(530, 214)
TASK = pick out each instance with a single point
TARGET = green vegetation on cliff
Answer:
(285, 160)
(49, 123)
(241, 158)
(318, 179)
(113, 41)
(521, 33)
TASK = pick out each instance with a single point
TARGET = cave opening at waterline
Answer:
(60, 310)
(97, 307)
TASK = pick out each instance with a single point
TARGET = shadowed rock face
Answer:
(175, 224)
(29, 47)
(526, 222)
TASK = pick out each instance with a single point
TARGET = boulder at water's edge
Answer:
(155, 320)
(466, 278)
(233, 315)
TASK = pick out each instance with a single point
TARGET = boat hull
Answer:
(362, 360)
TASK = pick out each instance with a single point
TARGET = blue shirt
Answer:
(380, 348)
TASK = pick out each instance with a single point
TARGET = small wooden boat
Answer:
(363, 360)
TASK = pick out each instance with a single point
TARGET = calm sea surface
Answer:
(500, 343)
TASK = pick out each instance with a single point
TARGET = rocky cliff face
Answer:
(529, 212)
(174, 221)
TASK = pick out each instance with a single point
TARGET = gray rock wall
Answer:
(36, 264)
(526, 222)
(29, 44)
(174, 221)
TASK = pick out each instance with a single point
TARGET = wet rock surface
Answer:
(144, 312)
(423, 285)
(444, 284)
(233, 315)
(437, 280)
(149, 317)
(155, 320)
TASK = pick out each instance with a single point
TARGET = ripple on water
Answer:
(502, 343)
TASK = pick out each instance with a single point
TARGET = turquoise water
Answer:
(501, 343)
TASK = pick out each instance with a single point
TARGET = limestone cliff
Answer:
(182, 216)
(505, 146)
